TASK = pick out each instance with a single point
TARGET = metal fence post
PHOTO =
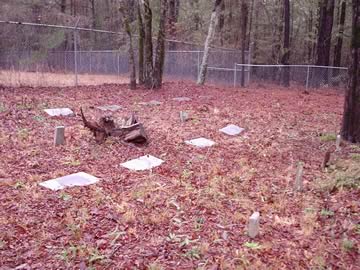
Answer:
(198, 64)
(307, 77)
(234, 75)
(249, 62)
(65, 61)
(75, 53)
(90, 60)
(118, 63)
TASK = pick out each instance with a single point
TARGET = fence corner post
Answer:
(75, 52)
(307, 77)
(234, 75)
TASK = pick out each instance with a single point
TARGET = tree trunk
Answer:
(286, 56)
(221, 23)
(310, 43)
(209, 39)
(324, 35)
(63, 6)
(148, 64)
(244, 20)
(93, 14)
(160, 47)
(255, 52)
(173, 18)
(64, 45)
(141, 30)
(350, 130)
(339, 42)
(250, 25)
(124, 10)
(194, 4)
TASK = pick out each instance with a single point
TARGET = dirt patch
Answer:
(44, 79)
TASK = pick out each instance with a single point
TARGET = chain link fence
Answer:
(308, 76)
(43, 55)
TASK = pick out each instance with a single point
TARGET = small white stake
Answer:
(184, 116)
(59, 137)
(338, 142)
(253, 226)
(298, 180)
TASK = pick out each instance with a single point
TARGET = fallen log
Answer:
(129, 131)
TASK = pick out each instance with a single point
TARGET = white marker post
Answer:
(59, 137)
(298, 187)
(338, 142)
(184, 116)
(254, 224)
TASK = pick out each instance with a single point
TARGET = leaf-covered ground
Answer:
(192, 211)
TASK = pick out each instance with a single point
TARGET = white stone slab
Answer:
(232, 130)
(75, 179)
(59, 112)
(112, 108)
(151, 103)
(182, 99)
(142, 163)
(201, 142)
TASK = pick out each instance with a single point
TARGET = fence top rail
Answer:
(307, 66)
(220, 68)
(121, 51)
(76, 28)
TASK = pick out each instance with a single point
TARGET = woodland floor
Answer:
(192, 211)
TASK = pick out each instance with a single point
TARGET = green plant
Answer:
(199, 223)
(154, 266)
(186, 242)
(2, 107)
(75, 229)
(2, 244)
(328, 137)
(19, 185)
(357, 228)
(326, 213)
(39, 118)
(73, 162)
(355, 156)
(252, 245)
(64, 196)
(186, 174)
(95, 255)
(193, 253)
(173, 238)
(347, 245)
(69, 253)
(309, 210)
(23, 133)
(115, 235)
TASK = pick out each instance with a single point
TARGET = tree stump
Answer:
(129, 131)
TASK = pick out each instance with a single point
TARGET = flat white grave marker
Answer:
(201, 142)
(142, 163)
(182, 99)
(112, 108)
(151, 103)
(232, 130)
(75, 179)
(59, 112)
